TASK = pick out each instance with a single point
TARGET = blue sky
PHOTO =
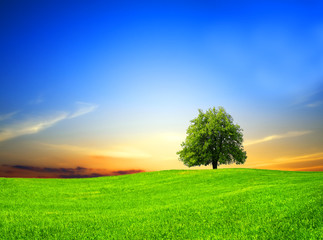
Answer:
(99, 75)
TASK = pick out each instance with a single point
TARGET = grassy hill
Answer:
(176, 204)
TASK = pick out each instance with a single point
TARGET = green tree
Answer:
(213, 138)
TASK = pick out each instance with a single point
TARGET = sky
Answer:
(91, 88)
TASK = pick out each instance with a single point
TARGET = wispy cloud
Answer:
(83, 108)
(306, 162)
(307, 157)
(311, 99)
(116, 152)
(277, 136)
(312, 169)
(7, 115)
(314, 104)
(37, 100)
(29, 127)
(38, 123)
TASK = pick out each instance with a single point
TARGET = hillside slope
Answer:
(176, 204)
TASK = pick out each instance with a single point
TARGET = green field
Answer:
(175, 204)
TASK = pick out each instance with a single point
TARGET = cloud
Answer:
(29, 127)
(312, 169)
(122, 172)
(306, 162)
(300, 158)
(278, 136)
(7, 115)
(50, 172)
(305, 165)
(83, 108)
(311, 98)
(37, 124)
(314, 104)
(91, 175)
(37, 100)
(116, 152)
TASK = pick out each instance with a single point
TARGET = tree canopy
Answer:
(213, 138)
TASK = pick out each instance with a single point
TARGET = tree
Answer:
(212, 137)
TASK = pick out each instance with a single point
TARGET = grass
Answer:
(176, 204)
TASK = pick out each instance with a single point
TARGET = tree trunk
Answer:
(215, 164)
